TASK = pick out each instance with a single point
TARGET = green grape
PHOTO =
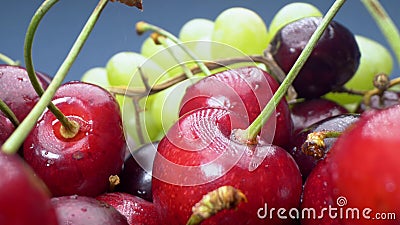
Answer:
(242, 29)
(165, 105)
(196, 34)
(196, 29)
(375, 59)
(122, 70)
(96, 75)
(138, 130)
(290, 13)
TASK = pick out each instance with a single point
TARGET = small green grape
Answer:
(96, 75)
(290, 13)
(242, 29)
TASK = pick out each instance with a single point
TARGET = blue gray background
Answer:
(115, 31)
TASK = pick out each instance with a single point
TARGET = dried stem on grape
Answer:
(315, 145)
(379, 91)
(142, 27)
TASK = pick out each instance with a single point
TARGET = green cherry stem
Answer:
(70, 129)
(17, 138)
(249, 135)
(8, 60)
(8, 113)
(385, 24)
(142, 27)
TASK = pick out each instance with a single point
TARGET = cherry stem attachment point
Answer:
(255, 127)
(9, 113)
(223, 198)
(385, 24)
(315, 145)
(13, 143)
(142, 27)
(69, 129)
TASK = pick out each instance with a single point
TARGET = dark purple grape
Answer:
(388, 98)
(332, 63)
(311, 111)
(6, 129)
(335, 123)
(136, 174)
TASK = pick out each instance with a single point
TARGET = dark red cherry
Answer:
(136, 210)
(308, 112)
(17, 91)
(245, 91)
(306, 162)
(136, 175)
(24, 199)
(6, 129)
(198, 155)
(82, 210)
(82, 164)
(332, 63)
(387, 99)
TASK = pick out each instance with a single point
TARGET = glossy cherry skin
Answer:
(337, 123)
(318, 195)
(308, 112)
(6, 129)
(244, 91)
(24, 199)
(197, 156)
(82, 164)
(136, 175)
(82, 210)
(363, 166)
(136, 210)
(17, 91)
(332, 63)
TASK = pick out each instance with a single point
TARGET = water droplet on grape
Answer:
(49, 162)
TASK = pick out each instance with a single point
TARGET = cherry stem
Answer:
(385, 24)
(8, 60)
(162, 40)
(69, 129)
(9, 113)
(225, 197)
(250, 134)
(142, 27)
(315, 145)
(16, 139)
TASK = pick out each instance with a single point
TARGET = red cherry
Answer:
(82, 210)
(311, 111)
(17, 91)
(82, 164)
(23, 197)
(135, 209)
(198, 156)
(6, 129)
(245, 91)
(362, 170)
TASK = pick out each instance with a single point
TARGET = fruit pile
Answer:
(228, 123)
